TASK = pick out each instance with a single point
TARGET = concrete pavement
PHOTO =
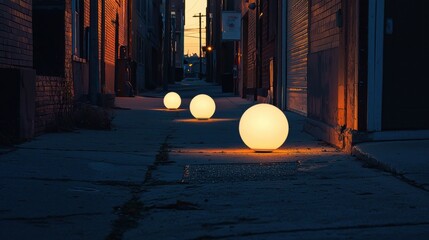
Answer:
(74, 185)
(163, 175)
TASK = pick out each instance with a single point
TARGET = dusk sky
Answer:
(194, 7)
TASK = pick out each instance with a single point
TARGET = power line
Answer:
(201, 69)
(195, 30)
(193, 36)
(192, 29)
(192, 33)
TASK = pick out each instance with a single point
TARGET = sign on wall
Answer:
(231, 25)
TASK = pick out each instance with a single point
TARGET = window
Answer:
(78, 32)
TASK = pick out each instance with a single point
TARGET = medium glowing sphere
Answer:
(202, 107)
(263, 127)
(172, 100)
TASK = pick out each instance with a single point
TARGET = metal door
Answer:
(297, 50)
(405, 100)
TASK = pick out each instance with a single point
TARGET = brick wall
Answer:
(50, 101)
(324, 33)
(268, 41)
(16, 40)
(86, 9)
(251, 56)
(324, 87)
(68, 68)
(54, 92)
(268, 46)
(113, 7)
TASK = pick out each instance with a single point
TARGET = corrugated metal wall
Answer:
(297, 50)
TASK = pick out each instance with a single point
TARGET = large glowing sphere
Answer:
(263, 127)
(202, 107)
(172, 100)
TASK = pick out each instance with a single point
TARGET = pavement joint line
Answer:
(338, 228)
(50, 217)
(78, 150)
(249, 152)
(7, 150)
(127, 184)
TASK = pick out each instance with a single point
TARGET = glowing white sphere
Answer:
(263, 127)
(202, 107)
(172, 100)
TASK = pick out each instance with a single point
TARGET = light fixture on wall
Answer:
(263, 127)
(172, 100)
(202, 107)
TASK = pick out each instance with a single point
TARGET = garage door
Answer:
(297, 49)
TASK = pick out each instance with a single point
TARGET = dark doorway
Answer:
(245, 56)
(406, 57)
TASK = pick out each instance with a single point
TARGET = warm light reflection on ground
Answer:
(246, 151)
(168, 110)
(193, 120)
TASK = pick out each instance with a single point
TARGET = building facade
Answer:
(366, 71)
(145, 44)
(353, 68)
(178, 43)
(57, 53)
(260, 49)
(222, 60)
(76, 67)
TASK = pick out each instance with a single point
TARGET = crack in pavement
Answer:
(127, 184)
(131, 211)
(161, 158)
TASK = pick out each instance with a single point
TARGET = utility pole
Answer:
(201, 59)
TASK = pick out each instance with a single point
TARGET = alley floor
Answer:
(160, 174)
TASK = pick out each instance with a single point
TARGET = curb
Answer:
(6, 150)
(372, 162)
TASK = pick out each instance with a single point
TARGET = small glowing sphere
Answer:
(172, 100)
(263, 127)
(202, 107)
